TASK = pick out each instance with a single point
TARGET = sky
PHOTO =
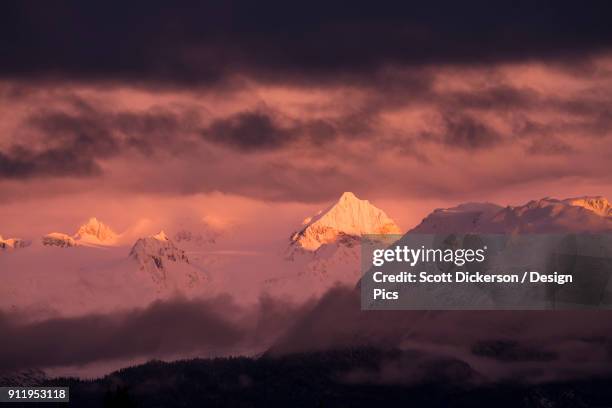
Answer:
(240, 111)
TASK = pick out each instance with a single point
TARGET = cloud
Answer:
(465, 132)
(161, 327)
(500, 97)
(164, 328)
(97, 130)
(531, 346)
(406, 126)
(20, 163)
(62, 143)
(250, 131)
(549, 145)
(209, 43)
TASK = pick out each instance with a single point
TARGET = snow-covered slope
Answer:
(200, 236)
(96, 233)
(552, 215)
(155, 250)
(547, 215)
(159, 256)
(13, 243)
(58, 239)
(195, 238)
(350, 216)
(45, 280)
(464, 217)
(311, 273)
(597, 204)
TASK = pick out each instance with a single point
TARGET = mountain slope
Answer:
(462, 218)
(598, 204)
(547, 215)
(160, 257)
(58, 239)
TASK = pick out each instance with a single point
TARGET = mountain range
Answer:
(323, 252)
(547, 215)
(97, 271)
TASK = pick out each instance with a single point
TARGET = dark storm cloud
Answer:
(587, 116)
(549, 145)
(466, 132)
(287, 137)
(592, 115)
(102, 133)
(162, 329)
(19, 162)
(71, 143)
(498, 98)
(85, 134)
(205, 42)
(465, 116)
(254, 131)
(249, 131)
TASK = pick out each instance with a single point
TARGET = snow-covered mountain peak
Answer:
(348, 196)
(96, 232)
(349, 216)
(160, 236)
(598, 204)
(59, 239)
(158, 245)
(155, 252)
(13, 243)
